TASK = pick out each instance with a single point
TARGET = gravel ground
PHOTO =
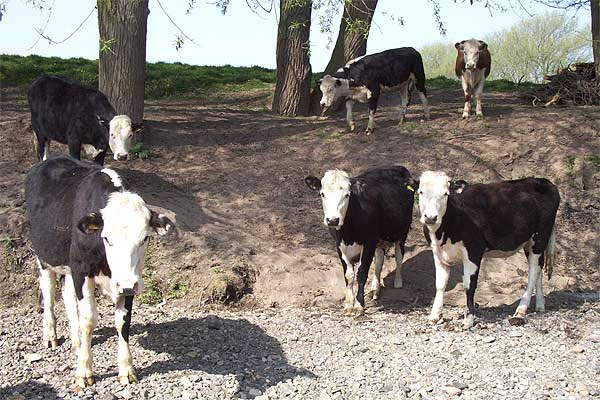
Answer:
(314, 354)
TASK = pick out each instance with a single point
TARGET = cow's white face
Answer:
(334, 189)
(332, 89)
(434, 189)
(120, 137)
(125, 225)
(470, 50)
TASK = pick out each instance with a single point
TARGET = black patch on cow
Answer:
(68, 112)
(127, 318)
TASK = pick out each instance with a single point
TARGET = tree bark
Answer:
(351, 43)
(122, 60)
(595, 8)
(292, 87)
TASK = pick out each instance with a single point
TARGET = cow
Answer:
(87, 227)
(470, 222)
(361, 80)
(78, 116)
(473, 63)
(364, 214)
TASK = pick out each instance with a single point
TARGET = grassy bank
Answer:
(174, 79)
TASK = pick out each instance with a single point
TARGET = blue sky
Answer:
(241, 37)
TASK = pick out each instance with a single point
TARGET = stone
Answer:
(577, 348)
(33, 357)
(452, 390)
(488, 339)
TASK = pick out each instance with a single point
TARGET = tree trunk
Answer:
(292, 87)
(351, 43)
(595, 5)
(122, 60)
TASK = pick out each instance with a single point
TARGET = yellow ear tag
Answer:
(93, 227)
(412, 189)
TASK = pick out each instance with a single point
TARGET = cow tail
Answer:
(550, 253)
(419, 73)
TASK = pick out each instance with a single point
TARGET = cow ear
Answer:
(101, 120)
(137, 127)
(90, 223)
(160, 224)
(412, 184)
(458, 45)
(458, 186)
(482, 45)
(319, 81)
(313, 182)
(338, 82)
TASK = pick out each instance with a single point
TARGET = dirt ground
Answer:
(231, 175)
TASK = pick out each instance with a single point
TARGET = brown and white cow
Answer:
(473, 63)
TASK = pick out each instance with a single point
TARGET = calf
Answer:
(81, 117)
(363, 213)
(361, 80)
(473, 63)
(470, 222)
(86, 226)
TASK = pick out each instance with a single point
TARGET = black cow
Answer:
(361, 80)
(81, 117)
(363, 213)
(488, 220)
(86, 226)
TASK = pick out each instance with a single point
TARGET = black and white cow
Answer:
(79, 116)
(493, 220)
(361, 80)
(86, 226)
(363, 213)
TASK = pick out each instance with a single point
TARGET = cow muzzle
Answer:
(332, 222)
(470, 66)
(122, 156)
(430, 220)
(127, 291)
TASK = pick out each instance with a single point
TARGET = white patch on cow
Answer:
(48, 289)
(120, 136)
(376, 282)
(335, 196)
(114, 177)
(349, 63)
(90, 150)
(434, 188)
(70, 301)
(540, 303)
(360, 94)
(104, 283)
(125, 231)
(399, 258)
(46, 150)
(349, 116)
(88, 317)
(469, 269)
(534, 273)
(470, 49)
(351, 255)
(332, 89)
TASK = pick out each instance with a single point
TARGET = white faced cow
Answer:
(81, 117)
(473, 63)
(362, 213)
(361, 80)
(468, 223)
(86, 226)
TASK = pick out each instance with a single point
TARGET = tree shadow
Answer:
(29, 389)
(220, 346)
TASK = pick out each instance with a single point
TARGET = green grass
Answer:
(162, 79)
(141, 152)
(595, 160)
(498, 85)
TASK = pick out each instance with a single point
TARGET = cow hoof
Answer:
(480, 115)
(434, 318)
(83, 382)
(352, 127)
(465, 116)
(51, 343)
(128, 380)
(368, 131)
(468, 322)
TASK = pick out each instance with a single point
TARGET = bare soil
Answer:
(231, 175)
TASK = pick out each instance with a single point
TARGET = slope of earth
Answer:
(231, 175)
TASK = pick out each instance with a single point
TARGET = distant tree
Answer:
(292, 87)
(439, 59)
(122, 60)
(538, 46)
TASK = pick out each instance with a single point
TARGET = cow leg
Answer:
(88, 317)
(376, 283)
(421, 91)
(99, 159)
(75, 148)
(470, 277)
(404, 94)
(373, 100)
(123, 322)
(349, 279)
(366, 258)
(399, 249)
(478, 91)
(442, 273)
(349, 116)
(534, 273)
(467, 90)
(48, 289)
(540, 303)
(70, 300)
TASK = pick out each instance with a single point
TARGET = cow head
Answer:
(335, 192)
(125, 225)
(332, 89)
(434, 189)
(120, 137)
(470, 50)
